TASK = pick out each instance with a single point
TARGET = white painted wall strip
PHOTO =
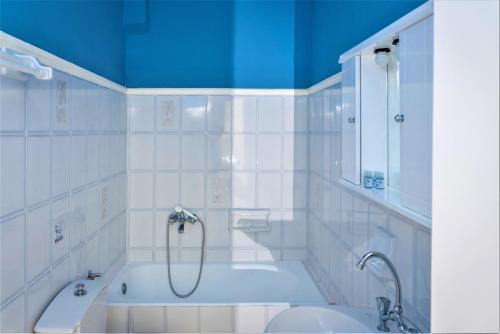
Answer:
(391, 30)
(324, 84)
(56, 63)
(216, 91)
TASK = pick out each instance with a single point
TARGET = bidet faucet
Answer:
(383, 304)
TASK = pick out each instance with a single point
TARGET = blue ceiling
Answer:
(227, 44)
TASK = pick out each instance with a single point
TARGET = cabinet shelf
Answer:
(390, 198)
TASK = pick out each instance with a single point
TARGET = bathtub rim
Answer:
(131, 303)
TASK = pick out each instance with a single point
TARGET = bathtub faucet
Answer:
(182, 215)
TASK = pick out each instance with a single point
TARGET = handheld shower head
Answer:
(189, 215)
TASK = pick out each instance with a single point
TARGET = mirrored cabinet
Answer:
(387, 115)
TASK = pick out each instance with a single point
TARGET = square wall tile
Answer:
(12, 316)
(103, 244)
(104, 158)
(161, 218)
(38, 169)
(38, 241)
(168, 113)
(295, 113)
(94, 107)
(218, 255)
(250, 319)
(244, 152)
(92, 169)
(78, 104)
(147, 319)
(217, 229)
(38, 105)
(12, 105)
(12, 248)
(423, 278)
(60, 164)
(194, 113)
(295, 190)
(240, 239)
(268, 255)
(269, 152)
(270, 117)
(243, 190)
(60, 86)
(219, 113)
(192, 236)
(141, 229)
(167, 151)
(12, 158)
(244, 114)
(60, 222)
(141, 190)
(117, 321)
(271, 239)
(92, 215)
(141, 112)
(219, 190)
(141, 151)
(269, 190)
(193, 190)
(167, 190)
(59, 276)
(182, 319)
(294, 229)
(243, 255)
(92, 255)
(219, 151)
(77, 262)
(295, 152)
(193, 152)
(216, 319)
(78, 161)
(402, 255)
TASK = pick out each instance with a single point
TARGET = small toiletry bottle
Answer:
(378, 180)
(367, 179)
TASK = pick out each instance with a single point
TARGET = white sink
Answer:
(324, 319)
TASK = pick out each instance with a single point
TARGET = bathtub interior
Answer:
(279, 283)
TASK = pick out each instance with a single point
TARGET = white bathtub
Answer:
(221, 284)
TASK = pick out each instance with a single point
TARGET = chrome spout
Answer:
(362, 263)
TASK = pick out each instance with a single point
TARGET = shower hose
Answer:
(201, 262)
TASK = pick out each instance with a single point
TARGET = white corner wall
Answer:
(465, 236)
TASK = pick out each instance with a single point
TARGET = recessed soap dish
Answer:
(250, 220)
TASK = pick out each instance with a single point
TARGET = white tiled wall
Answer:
(343, 225)
(211, 154)
(62, 162)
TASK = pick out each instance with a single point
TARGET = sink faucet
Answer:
(383, 304)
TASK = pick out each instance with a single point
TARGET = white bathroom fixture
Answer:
(17, 66)
(79, 308)
(382, 56)
(324, 319)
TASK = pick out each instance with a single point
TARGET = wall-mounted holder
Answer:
(20, 67)
(250, 220)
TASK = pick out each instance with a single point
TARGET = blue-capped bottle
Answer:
(367, 179)
(378, 180)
